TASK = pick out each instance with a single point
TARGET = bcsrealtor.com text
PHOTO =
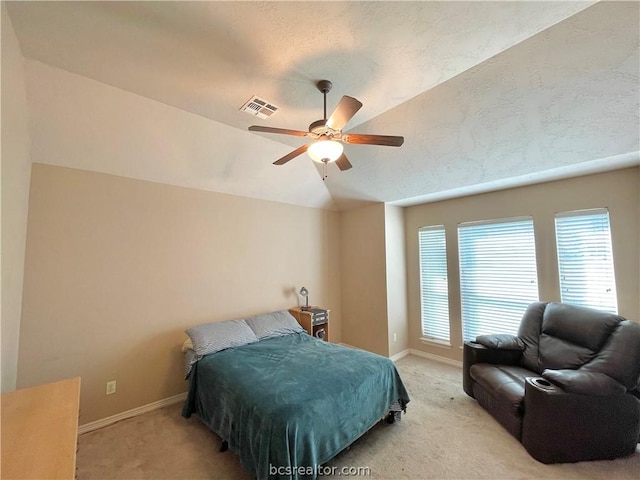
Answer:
(318, 471)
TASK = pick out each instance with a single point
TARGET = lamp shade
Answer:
(325, 151)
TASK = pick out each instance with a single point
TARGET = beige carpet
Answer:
(445, 434)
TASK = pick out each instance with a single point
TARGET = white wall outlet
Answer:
(395, 337)
(111, 387)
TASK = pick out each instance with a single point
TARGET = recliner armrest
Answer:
(584, 383)
(559, 427)
(475, 353)
(501, 341)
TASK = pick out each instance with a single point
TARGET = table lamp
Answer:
(305, 293)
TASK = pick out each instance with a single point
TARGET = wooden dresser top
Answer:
(40, 431)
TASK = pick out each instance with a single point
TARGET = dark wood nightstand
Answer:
(315, 321)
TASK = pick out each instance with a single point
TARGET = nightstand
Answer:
(315, 321)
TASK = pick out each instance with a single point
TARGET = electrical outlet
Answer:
(111, 387)
(395, 337)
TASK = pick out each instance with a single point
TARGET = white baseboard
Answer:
(436, 358)
(89, 427)
(393, 358)
(419, 353)
(399, 355)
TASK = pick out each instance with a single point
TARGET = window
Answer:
(585, 259)
(434, 291)
(498, 276)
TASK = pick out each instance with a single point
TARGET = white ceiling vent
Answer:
(259, 107)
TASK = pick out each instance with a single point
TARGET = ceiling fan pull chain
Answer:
(324, 170)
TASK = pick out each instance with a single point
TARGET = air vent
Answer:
(259, 107)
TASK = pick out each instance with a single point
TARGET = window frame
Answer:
(486, 305)
(431, 299)
(567, 247)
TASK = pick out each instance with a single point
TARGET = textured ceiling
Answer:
(483, 92)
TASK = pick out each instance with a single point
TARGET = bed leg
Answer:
(225, 446)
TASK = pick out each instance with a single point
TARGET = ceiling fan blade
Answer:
(345, 110)
(294, 154)
(343, 163)
(284, 131)
(363, 139)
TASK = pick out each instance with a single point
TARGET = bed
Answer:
(288, 403)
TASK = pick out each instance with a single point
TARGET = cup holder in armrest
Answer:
(541, 383)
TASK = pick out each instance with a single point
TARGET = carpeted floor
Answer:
(445, 434)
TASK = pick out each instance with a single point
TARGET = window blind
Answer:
(498, 275)
(434, 290)
(585, 259)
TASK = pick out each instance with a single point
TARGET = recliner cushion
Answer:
(561, 336)
(500, 391)
(580, 326)
(529, 334)
(620, 356)
(558, 354)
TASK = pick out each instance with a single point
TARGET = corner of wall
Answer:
(396, 280)
(16, 171)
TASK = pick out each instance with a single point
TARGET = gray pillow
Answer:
(213, 337)
(274, 324)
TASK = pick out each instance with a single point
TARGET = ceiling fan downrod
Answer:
(325, 87)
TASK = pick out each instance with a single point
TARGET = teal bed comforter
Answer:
(288, 404)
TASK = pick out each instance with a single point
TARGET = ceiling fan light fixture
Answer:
(325, 151)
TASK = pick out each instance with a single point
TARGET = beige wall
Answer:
(363, 278)
(618, 190)
(117, 268)
(373, 270)
(396, 279)
(16, 168)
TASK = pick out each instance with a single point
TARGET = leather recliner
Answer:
(567, 386)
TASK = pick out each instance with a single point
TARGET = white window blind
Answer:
(498, 275)
(434, 291)
(585, 259)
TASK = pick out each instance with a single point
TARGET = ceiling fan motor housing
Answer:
(319, 127)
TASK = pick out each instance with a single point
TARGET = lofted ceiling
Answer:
(486, 94)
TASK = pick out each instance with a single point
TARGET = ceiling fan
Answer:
(328, 135)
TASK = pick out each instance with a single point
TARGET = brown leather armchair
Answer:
(567, 386)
